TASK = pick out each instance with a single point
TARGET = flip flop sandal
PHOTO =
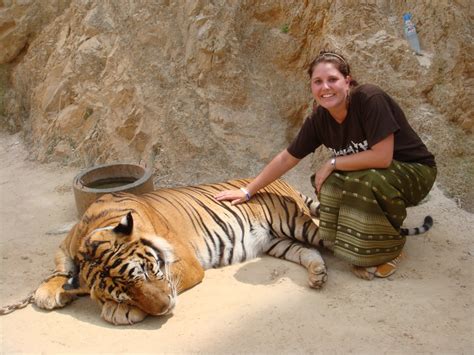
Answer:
(382, 271)
(387, 269)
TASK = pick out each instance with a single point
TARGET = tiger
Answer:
(134, 254)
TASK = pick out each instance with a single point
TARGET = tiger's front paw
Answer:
(51, 294)
(317, 275)
(121, 313)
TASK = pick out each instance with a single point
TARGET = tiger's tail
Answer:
(427, 224)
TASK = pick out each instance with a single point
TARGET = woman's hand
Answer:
(321, 175)
(279, 165)
(235, 196)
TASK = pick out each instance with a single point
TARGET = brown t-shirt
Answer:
(372, 116)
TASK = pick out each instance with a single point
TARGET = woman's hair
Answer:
(338, 60)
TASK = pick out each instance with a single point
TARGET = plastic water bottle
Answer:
(410, 33)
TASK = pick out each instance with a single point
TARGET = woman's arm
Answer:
(379, 156)
(283, 162)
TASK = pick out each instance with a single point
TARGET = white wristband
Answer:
(246, 192)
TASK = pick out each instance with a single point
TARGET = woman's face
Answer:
(329, 87)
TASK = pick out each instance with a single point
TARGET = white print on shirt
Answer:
(353, 148)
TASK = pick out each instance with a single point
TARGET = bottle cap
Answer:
(406, 16)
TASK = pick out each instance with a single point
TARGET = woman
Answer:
(379, 168)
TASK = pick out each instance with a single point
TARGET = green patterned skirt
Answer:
(362, 211)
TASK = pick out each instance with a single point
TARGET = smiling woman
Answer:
(379, 167)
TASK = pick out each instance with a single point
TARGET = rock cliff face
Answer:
(211, 90)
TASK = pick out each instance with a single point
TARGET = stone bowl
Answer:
(94, 182)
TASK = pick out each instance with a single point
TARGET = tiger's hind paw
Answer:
(121, 313)
(317, 275)
(51, 295)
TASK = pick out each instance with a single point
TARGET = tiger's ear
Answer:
(126, 225)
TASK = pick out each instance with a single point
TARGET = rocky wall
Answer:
(210, 90)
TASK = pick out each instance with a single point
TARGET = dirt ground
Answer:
(262, 306)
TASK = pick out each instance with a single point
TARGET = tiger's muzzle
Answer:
(156, 297)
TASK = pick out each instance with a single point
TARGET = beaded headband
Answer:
(330, 54)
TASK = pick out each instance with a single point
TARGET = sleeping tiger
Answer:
(134, 254)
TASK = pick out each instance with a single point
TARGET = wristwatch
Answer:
(333, 163)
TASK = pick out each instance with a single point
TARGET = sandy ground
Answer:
(262, 306)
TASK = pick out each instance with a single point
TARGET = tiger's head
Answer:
(128, 267)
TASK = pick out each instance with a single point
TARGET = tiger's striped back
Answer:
(222, 234)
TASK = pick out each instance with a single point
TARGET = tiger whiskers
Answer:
(174, 284)
(173, 281)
